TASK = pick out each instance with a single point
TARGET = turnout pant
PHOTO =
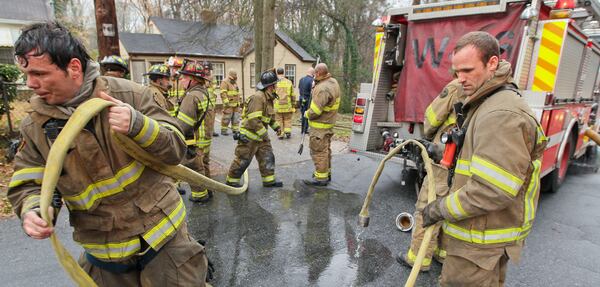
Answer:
(180, 262)
(195, 160)
(458, 271)
(285, 122)
(244, 152)
(210, 122)
(320, 151)
(231, 115)
(440, 175)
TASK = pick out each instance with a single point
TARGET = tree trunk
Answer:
(268, 34)
(106, 28)
(258, 38)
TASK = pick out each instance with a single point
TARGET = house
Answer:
(225, 46)
(14, 15)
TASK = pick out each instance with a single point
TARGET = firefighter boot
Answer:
(233, 184)
(224, 132)
(215, 134)
(402, 258)
(288, 135)
(200, 196)
(273, 184)
(315, 182)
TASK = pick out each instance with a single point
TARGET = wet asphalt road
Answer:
(303, 236)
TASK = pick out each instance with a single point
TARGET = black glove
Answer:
(243, 138)
(236, 136)
(431, 213)
(435, 151)
(190, 152)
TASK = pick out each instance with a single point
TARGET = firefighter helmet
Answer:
(194, 69)
(267, 78)
(114, 62)
(174, 62)
(207, 65)
(159, 70)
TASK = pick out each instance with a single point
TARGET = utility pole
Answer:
(106, 28)
(258, 38)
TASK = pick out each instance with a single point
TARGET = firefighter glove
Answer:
(434, 151)
(243, 138)
(432, 213)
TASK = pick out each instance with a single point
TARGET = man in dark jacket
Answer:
(305, 86)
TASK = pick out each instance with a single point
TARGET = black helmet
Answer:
(267, 78)
(159, 70)
(280, 71)
(114, 61)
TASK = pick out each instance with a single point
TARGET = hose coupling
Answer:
(363, 221)
(405, 221)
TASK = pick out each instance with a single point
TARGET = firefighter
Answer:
(213, 91)
(254, 138)
(284, 104)
(192, 118)
(494, 183)
(160, 84)
(321, 117)
(128, 218)
(114, 66)
(177, 91)
(439, 118)
(230, 95)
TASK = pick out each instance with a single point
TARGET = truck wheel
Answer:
(552, 182)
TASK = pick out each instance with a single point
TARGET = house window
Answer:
(138, 68)
(218, 71)
(290, 73)
(252, 75)
(7, 55)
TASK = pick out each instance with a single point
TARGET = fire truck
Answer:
(554, 59)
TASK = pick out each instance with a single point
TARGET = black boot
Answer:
(234, 184)
(273, 184)
(288, 135)
(215, 134)
(315, 182)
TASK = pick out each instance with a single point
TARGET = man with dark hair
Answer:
(254, 139)
(321, 117)
(160, 84)
(128, 218)
(305, 88)
(192, 118)
(114, 66)
(284, 104)
(494, 183)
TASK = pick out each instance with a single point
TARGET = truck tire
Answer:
(552, 182)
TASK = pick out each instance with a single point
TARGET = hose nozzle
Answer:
(405, 221)
(363, 221)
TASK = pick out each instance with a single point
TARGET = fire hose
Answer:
(363, 217)
(54, 165)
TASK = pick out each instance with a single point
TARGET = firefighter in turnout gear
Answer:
(439, 119)
(254, 139)
(160, 84)
(213, 90)
(128, 218)
(495, 179)
(114, 66)
(177, 91)
(284, 104)
(230, 95)
(321, 117)
(192, 118)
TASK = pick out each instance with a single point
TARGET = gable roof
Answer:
(200, 39)
(25, 11)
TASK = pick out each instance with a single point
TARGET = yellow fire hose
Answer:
(592, 135)
(54, 165)
(363, 217)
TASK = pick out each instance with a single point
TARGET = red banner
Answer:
(428, 50)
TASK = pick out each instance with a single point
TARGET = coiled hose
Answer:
(54, 165)
(363, 217)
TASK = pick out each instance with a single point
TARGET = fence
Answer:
(12, 111)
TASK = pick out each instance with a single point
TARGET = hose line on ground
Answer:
(56, 157)
(363, 217)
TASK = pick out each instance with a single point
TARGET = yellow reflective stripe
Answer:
(540, 135)
(315, 108)
(232, 179)
(233, 93)
(202, 105)
(333, 107)
(148, 133)
(200, 194)
(166, 227)
(268, 178)
(254, 115)
(274, 125)
(24, 175)
(287, 130)
(176, 93)
(30, 202)
(412, 257)
(321, 175)
(432, 117)
(454, 207)
(186, 119)
(174, 129)
(496, 175)
(106, 187)
(451, 120)
(249, 134)
(173, 113)
(532, 190)
(463, 167)
(261, 131)
(440, 252)
(118, 250)
(265, 120)
(203, 143)
(319, 125)
(489, 236)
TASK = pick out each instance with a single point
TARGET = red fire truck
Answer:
(554, 60)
